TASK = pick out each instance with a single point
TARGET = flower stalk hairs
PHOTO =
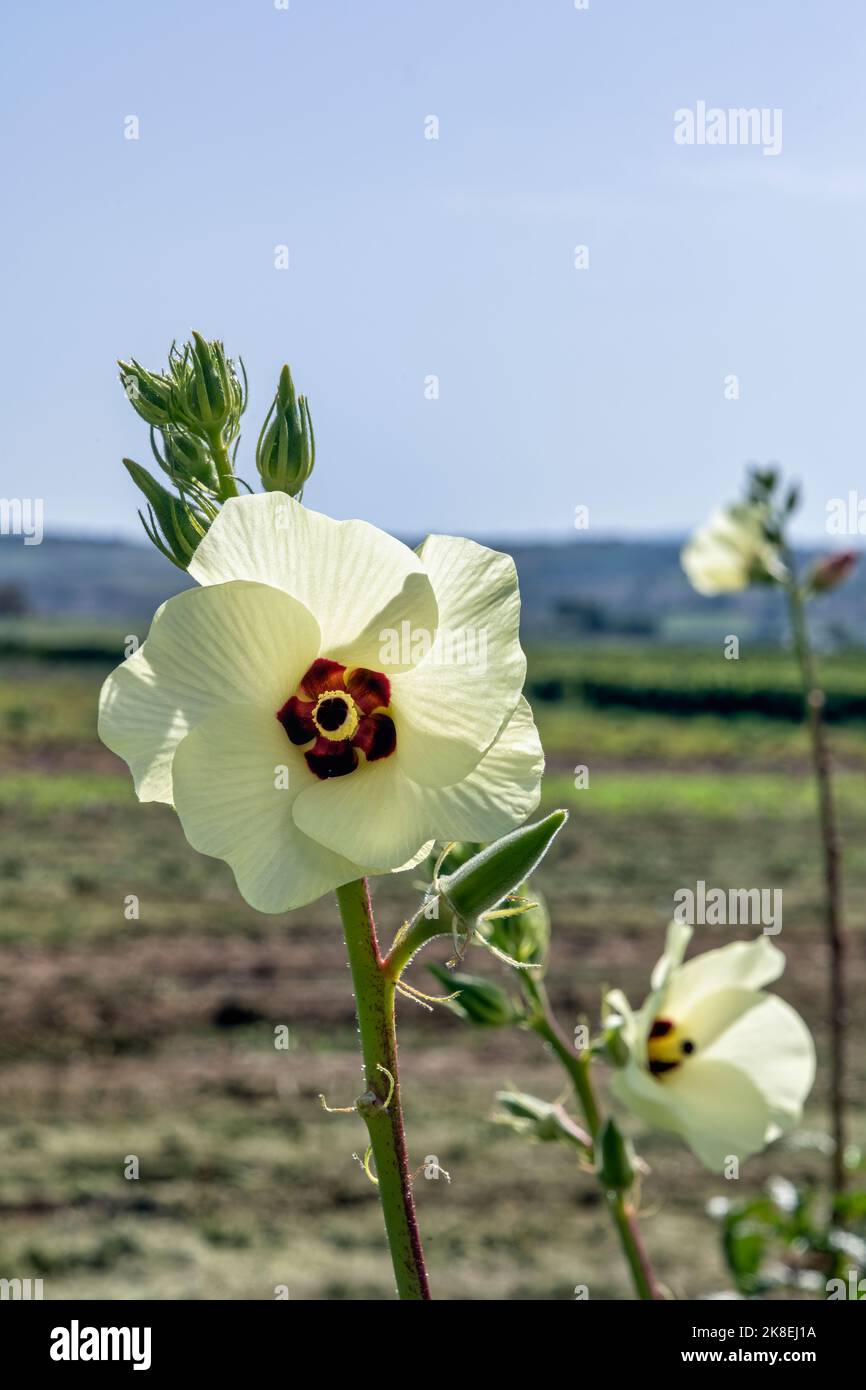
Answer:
(295, 739)
(747, 544)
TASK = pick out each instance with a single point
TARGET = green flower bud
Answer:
(149, 393)
(207, 396)
(616, 1169)
(480, 1001)
(616, 1049)
(540, 1119)
(486, 879)
(186, 459)
(524, 933)
(173, 524)
(286, 451)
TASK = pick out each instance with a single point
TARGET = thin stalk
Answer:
(814, 700)
(577, 1064)
(380, 1106)
(228, 486)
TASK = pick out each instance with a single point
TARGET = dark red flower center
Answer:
(666, 1046)
(340, 712)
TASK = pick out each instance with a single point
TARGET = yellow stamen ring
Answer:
(667, 1048)
(336, 715)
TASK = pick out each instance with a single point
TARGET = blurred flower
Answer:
(732, 551)
(714, 1058)
(295, 742)
(831, 571)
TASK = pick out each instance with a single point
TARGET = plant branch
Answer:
(374, 1001)
(577, 1064)
(814, 700)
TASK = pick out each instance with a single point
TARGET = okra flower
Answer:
(329, 702)
(732, 551)
(712, 1057)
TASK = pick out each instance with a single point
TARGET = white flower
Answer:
(327, 649)
(713, 1057)
(731, 552)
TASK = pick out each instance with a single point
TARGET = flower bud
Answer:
(479, 1001)
(830, 571)
(487, 878)
(173, 525)
(616, 1049)
(186, 459)
(540, 1119)
(616, 1169)
(286, 451)
(149, 393)
(206, 396)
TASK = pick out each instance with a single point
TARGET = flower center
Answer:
(341, 717)
(666, 1047)
(335, 716)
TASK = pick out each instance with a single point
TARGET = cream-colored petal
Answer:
(232, 804)
(773, 1046)
(739, 965)
(236, 642)
(354, 578)
(374, 815)
(500, 792)
(397, 637)
(645, 1097)
(707, 1018)
(417, 858)
(722, 1114)
(451, 706)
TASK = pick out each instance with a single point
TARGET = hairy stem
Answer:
(577, 1064)
(383, 1116)
(814, 700)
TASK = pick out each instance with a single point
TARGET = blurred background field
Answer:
(155, 1037)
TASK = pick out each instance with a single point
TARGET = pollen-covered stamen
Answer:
(666, 1047)
(335, 716)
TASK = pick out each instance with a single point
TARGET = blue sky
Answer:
(408, 257)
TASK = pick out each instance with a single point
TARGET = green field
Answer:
(154, 1037)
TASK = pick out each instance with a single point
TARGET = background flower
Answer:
(731, 551)
(713, 1057)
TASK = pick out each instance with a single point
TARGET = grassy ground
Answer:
(154, 1038)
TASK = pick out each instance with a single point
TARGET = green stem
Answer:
(228, 486)
(374, 1001)
(814, 700)
(577, 1064)
(406, 946)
